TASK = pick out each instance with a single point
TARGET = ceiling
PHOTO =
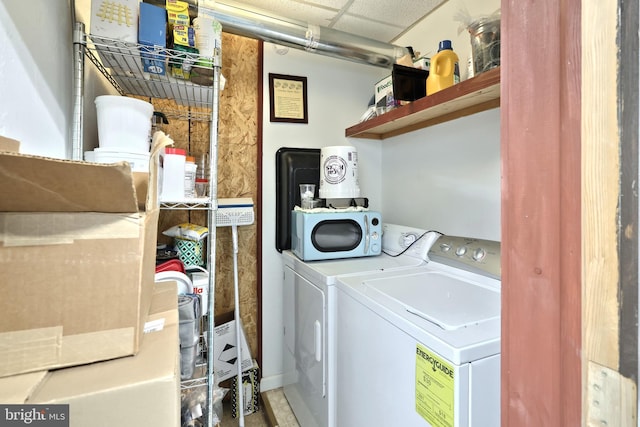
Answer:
(382, 20)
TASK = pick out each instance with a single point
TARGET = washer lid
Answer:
(442, 299)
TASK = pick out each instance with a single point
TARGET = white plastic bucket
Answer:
(139, 162)
(124, 124)
(339, 175)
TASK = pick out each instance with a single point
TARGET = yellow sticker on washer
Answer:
(435, 381)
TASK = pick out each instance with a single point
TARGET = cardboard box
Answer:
(251, 388)
(115, 19)
(384, 93)
(141, 390)
(186, 54)
(178, 12)
(77, 261)
(184, 35)
(8, 144)
(423, 63)
(152, 35)
(225, 351)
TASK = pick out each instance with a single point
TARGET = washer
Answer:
(309, 354)
(421, 347)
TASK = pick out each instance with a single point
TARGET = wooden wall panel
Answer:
(600, 187)
(610, 210)
(237, 175)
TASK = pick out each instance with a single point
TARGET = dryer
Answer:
(309, 365)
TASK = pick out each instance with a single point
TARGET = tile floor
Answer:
(257, 419)
(280, 413)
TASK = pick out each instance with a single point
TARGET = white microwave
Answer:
(333, 235)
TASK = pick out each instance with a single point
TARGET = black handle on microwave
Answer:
(367, 232)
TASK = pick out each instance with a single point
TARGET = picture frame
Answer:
(288, 98)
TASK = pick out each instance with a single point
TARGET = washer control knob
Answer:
(479, 254)
(374, 248)
(444, 247)
(461, 250)
(375, 235)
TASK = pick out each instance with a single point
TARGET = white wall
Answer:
(95, 83)
(36, 75)
(446, 177)
(454, 184)
(338, 94)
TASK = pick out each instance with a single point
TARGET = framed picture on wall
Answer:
(288, 98)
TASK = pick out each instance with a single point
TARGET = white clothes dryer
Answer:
(309, 353)
(421, 347)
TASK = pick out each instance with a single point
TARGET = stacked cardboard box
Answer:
(141, 390)
(77, 260)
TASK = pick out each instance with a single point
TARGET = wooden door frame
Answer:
(541, 373)
(569, 136)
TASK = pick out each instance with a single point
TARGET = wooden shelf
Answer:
(471, 96)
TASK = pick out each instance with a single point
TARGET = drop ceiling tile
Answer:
(366, 28)
(333, 4)
(401, 13)
(292, 10)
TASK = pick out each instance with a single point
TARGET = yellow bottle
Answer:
(442, 68)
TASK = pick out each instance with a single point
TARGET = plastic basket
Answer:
(190, 252)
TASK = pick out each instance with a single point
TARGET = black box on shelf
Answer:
(409, 83)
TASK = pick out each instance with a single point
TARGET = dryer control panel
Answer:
(475, 255)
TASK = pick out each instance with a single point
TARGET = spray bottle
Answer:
(442, 69)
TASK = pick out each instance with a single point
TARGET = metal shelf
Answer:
(200, 375)
(120, 62)
(471, 96)
(191, 204)
(193, 383)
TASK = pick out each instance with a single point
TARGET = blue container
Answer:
(152, 34)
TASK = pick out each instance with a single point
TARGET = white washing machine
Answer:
(309, 353)
(421, 347)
